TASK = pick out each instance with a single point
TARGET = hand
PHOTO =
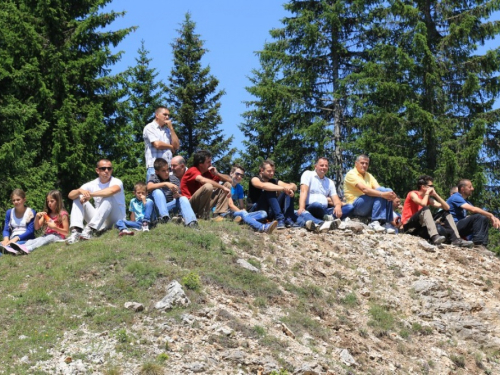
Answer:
(85, 193)
(169, 124)
(213, 170)
(228, 191)
(83, 199)
(388, 195)
(495, 222)
(338, 211)
(176, 195)
(300, 211)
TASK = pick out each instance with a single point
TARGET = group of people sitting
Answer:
(202, 192)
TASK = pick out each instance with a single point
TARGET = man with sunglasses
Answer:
(417, 219)
(109, 204)
(237, 193)
(160, 140)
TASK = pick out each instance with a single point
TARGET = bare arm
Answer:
(387, 195)
(215, 184)
(152, 186)
(304, 191)
(476, 210)
(267, 186)
(338, 205)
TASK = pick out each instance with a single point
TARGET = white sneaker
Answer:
(390, 231)
(87, 233)
(342, 225)
(310, 226)
(325, 227)
(145, 227)
(328, 218)
(73, 238)
(375, 225)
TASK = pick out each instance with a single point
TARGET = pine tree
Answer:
(193, 99)
(145, 93)
(314, 51)
(424, 99)
(57, 98)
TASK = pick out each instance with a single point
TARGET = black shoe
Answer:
(462, 243)
(193, 225)
(164, 220)
(437, 239)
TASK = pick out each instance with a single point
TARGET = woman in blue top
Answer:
(19, 222)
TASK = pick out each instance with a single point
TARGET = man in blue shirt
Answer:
(475, 224)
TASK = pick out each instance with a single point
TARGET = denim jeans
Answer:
(252, 218)
(124, 224)
(317, 210)
(149, 172)
(375, 207)
(178, 205)
(306, 216)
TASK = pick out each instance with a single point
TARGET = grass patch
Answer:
(382, 320)
(350, 300)
(58, 288)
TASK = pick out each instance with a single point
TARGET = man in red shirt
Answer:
(418, 220)
(201, 185)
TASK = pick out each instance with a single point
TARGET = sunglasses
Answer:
(240, 174)
(105, 168)
(431, 186)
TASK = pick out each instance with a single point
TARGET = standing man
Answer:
(109, 200)
(200, 184)
(263, 191)
(476, 224)
(160, 140)
(368, 198)
(319, 196)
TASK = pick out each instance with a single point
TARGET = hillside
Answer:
(336, 303)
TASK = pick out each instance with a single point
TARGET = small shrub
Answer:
(192, 281)
(350, 300)
(121, 336)
(151, 369)
(404, 333)
(382, 320)
(162, 357)
(255, 263)
(458, 360)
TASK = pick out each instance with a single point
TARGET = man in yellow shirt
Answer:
(369, 199)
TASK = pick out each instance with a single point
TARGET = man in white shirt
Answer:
(318, 195)
(109, 201)
(160, 140)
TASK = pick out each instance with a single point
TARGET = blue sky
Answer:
(232, 30)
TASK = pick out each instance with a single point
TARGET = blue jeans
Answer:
(148, 212)
(278, 208)
(317, 210)
(252, 218)
(378, 208)
(178, 205)
(306, 216)
(149, 172)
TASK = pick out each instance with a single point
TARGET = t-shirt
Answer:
(237, 193)
(174, 179)
(456, 201)
(410, 208)
(155, 179)
(254, 193)
(189, 185)
(319, 188)
(352, 178)
(58, 223)
(118, 199)
(154, 132)
(138, 208)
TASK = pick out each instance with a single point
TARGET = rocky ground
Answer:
(350, 303)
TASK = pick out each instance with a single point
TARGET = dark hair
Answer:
(235, 167)
(463, 182)
(57, 196)
(139, 185)
(323, 158)
(423, 180)
(199, 157)
(159, 163)
(106, 160)
(267, 162)
(19, 193)
(452, 190)
(159, 108)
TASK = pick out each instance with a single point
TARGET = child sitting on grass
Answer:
(19, 223)
(141, 209)
(56, 220)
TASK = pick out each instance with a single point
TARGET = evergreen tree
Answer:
(57, 99)
(313, 52)
(423, 100)
(193, 99)
(145, 94)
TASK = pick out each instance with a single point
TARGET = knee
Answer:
(228, 185)
(207, 187)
